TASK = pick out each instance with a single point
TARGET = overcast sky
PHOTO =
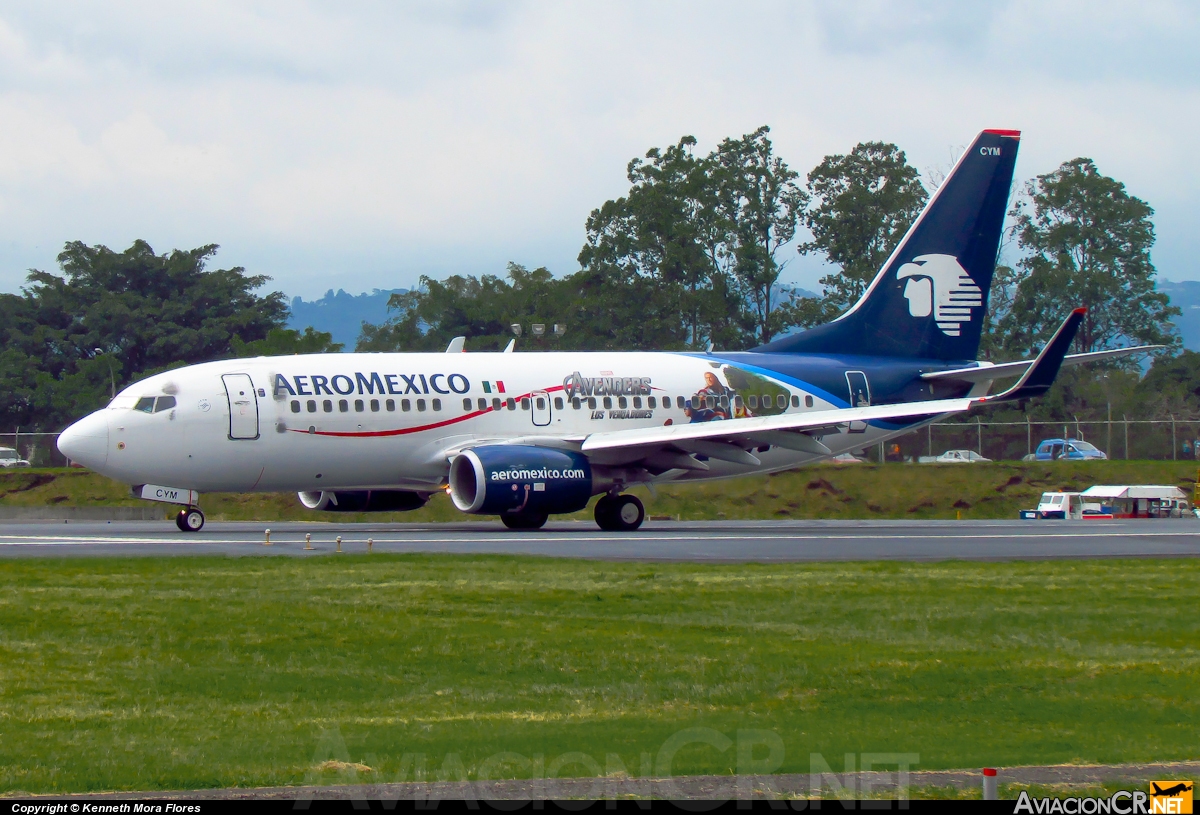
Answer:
(361, 145)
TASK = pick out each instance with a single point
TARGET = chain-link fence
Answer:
(39, 449)
(1162, 439)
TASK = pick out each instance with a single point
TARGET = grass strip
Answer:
(157, 673)
(916, 491)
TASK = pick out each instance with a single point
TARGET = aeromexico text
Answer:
(404, 384)
(392, 384)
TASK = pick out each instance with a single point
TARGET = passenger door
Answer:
(243, 406)
(541, 408)
(860, 396)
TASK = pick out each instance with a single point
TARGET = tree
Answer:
(282, 341)
(760, 206)
(652, 266)
(134, 311)
(864, 202)
(1087, 243)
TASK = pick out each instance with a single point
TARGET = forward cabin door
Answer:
(860, 396)
(243, 406)
(541, 408)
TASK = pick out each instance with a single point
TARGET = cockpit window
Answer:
(151, 404)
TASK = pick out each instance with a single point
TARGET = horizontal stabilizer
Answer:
(988, 373)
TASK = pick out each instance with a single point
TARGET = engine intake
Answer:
(363, 500)
(500, 478)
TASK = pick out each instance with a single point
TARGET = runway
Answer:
(695, 541)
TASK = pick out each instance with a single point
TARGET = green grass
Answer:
(150, 673)
(918, 491)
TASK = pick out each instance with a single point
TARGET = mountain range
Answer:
(342, 314)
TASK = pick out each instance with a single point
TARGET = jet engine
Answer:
(513, 478)
(363, 500)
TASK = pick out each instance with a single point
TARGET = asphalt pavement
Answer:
(698, 541)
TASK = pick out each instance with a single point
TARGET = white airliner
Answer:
(526, 435)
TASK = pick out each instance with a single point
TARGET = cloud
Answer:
(364, 145)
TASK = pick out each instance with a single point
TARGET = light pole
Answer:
(112, 380)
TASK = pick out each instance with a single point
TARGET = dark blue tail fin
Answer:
(929, 298)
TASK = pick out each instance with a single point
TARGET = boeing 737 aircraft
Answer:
(524, 436)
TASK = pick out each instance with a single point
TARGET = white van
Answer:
(1065, 505)
(11, 458)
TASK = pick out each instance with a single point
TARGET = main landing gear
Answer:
(619, 513)
(190, 519)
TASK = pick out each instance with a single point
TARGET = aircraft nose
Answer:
(86, 441)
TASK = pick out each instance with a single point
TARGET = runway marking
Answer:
(1033, 537)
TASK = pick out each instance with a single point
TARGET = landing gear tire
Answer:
(189, 519)
(619, 513)
(524, 520)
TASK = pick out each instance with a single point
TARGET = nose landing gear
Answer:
(619, 513)
(190, 519)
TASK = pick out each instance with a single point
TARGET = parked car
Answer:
(11, 458)
(953, 457)
(1066, 505)
(1067, 450)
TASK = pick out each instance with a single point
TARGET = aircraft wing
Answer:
(727, 439)
(987, 373)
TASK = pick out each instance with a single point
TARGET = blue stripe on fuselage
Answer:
(890, 380)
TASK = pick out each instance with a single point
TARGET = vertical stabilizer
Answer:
(929, 298)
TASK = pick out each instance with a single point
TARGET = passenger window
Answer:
(710, 402)
(752, 400)
(343, 406)
(327, 405)
(622, 402)
(482, 403)
(780, 401)
(374, 405)
(312, 405)
(512, 404)
(576, 402)
(592, 402)
(359, 406)
(164, 403)
(651, 402)
(295, 406)
(525, 403)
(637, 401)
(808, 401)
(558, 403)
(437, 404)
(420, 404)
(607, 402)
(724, 400)
(496, 403)
(405, 405)
(390, 404)
(541, 403)
(795, 400)
(467, 403)
(145, 404)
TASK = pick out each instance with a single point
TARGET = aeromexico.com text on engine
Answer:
(535, 475)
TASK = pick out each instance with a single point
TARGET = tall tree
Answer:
(658, 244)
(863, 203)
(120, 315)
(1087, 243)
(760, 206)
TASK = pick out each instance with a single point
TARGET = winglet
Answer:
(1040, 375)
(457, 345)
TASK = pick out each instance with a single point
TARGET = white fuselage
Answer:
(375, 421)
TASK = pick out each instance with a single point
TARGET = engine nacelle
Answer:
(363, 500)
(500, 478)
